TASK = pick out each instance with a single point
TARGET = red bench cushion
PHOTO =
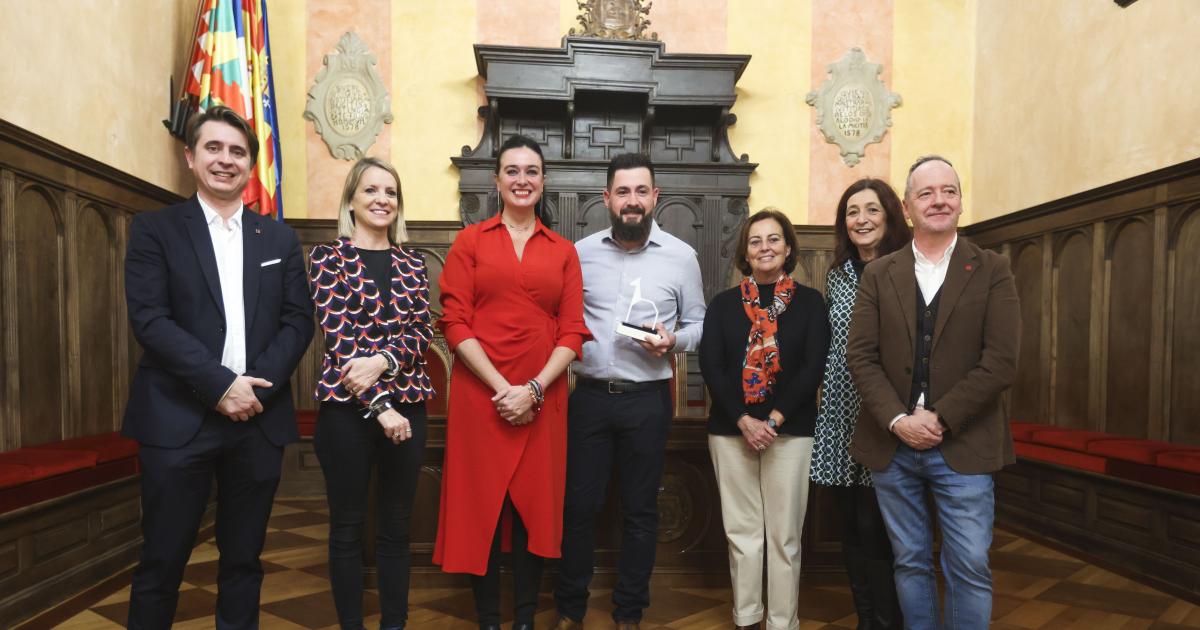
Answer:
(14, 475)
(107, 446)
(306, 422)
(1062, 457)
(1071, 439)
(46, 463)
(1023, 431)
(1133, 450)
(1187, 460)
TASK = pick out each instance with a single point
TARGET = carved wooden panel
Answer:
(1127, 396)
(1118, 344)
(1027, 270)
(96, 267)
(603, 129)
(40, 314)
(1072, 302)
(1184, 340)
(1126, 526)
(66, 350)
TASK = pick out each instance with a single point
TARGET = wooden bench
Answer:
(69, 517)
(1130, 503)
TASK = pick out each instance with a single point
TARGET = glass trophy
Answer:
(637, 331)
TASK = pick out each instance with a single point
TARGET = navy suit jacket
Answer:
(173, 292)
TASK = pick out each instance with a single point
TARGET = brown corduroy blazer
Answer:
(973, 360)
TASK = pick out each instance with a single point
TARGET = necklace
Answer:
(518, 228)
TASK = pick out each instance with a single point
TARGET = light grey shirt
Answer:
(666, 273)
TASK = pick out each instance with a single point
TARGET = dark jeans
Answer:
(347, 446)
(176, 483)
(629, 431)
(527, 574)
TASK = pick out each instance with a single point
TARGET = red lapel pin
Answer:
(968, 267)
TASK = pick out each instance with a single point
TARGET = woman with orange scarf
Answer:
(762, 356)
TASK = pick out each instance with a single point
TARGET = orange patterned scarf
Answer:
(762, 350)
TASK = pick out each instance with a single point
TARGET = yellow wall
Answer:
(934, 57)
(1032, 101)
(93, 76)
(773, 119)
(1071, 95)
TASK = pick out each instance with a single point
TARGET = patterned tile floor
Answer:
(1035, 587)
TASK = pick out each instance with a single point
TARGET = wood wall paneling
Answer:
(1183, 356)
(67, 353)
(1120, 295)
(1130, 272)
(95, 268)
(1027, 270)
(40, 313)
(1072, 320)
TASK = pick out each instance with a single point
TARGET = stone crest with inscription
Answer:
(854, 107)
(348, 103)
(614, 19)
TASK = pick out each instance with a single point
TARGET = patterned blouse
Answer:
(354, 321)
(831, 461)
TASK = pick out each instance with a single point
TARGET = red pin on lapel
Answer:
(968, 267)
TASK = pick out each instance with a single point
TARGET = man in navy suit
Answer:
(218, 300)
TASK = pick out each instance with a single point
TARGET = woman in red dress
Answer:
(512, 299)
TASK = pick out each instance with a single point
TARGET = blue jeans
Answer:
(965, 510)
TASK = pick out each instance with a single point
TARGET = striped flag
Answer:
(231, 66)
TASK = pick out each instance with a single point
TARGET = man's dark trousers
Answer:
(176, 485)
(629, 431)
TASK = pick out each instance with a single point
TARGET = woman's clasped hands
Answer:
(515, 404)
(757, 433)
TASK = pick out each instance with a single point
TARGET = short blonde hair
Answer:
(398, 233)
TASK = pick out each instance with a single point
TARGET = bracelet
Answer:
(535, 393)
(374, 409)
(392, 365)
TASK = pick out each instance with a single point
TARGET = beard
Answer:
(636, 232)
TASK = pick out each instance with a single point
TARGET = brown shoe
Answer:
(566, 623)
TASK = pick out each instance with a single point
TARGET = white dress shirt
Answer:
(227, 245)
(930, 276)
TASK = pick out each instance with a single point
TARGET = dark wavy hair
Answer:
(896, 233)
(789, 237)
(518, 141)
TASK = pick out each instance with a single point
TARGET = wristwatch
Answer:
(771, 423)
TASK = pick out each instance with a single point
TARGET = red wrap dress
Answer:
(519, 311)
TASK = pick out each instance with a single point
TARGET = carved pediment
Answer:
(614, 19)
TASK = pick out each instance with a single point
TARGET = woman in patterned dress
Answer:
(372, 299)
(869, 224)
(761, 354)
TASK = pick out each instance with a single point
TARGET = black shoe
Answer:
(523, 625)
(489, 626)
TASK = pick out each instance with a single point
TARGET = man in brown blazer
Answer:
(933, 344)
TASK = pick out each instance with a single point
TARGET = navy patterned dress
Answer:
(831, 461)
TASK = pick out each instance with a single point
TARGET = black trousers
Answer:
(527, 574)
(628, 431)
(348, 446)
(176, 484)
(867, 554)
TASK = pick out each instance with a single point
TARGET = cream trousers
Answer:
(764, 496)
